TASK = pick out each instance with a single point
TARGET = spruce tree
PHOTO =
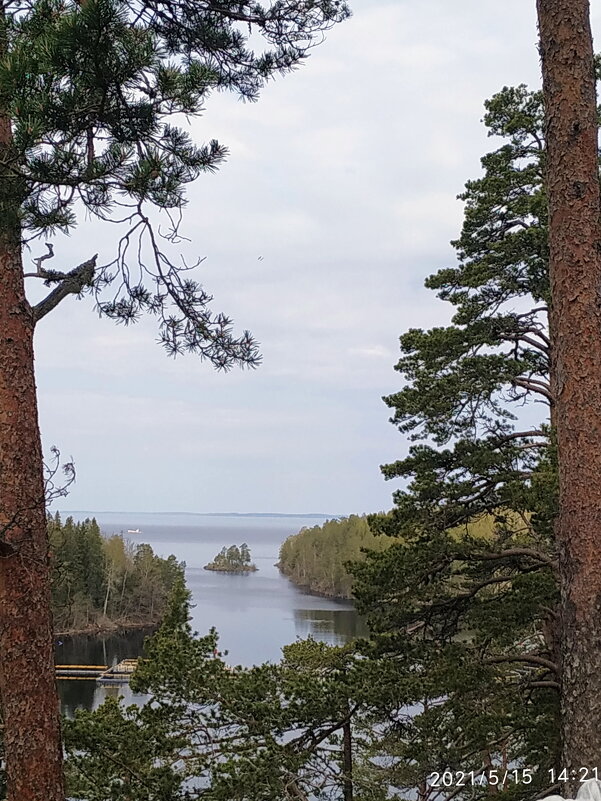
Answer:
(91, 95)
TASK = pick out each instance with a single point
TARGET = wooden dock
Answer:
(104, 674)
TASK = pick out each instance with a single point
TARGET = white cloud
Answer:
(371, 352)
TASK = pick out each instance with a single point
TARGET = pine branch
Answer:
(528, 659)
(532, 385)
(511, 552)
(73, 283)
(521, 337)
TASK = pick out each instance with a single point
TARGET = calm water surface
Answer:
(255, 614)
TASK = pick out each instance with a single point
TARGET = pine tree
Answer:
(467, 599)
(244, 554)
(294, 730)
(572, 177)
(88, 91)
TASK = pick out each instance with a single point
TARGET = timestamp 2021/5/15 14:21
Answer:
(502, 776)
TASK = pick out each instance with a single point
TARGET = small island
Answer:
(233, 560)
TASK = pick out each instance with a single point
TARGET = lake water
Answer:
(255, 614)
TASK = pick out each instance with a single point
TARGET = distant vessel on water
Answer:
(133, 531)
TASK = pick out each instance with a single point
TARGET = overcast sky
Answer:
(337, 200)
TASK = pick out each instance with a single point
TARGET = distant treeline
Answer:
(100, 582)
(316, 557)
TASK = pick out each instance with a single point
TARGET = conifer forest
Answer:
(100, 582)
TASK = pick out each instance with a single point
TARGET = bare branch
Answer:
(554, 685)
(40, 272)
(51, 490)
(522, 337)
(534, 386)
(73, 283)
(523, 435)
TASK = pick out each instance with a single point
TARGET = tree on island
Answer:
(91, 95)
(233, 560)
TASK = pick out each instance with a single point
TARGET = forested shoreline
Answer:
(317, 558)
(105, 583)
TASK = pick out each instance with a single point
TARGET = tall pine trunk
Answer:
(347, 761)
(575, 269)
(28, 695)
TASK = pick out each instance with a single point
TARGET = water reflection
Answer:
(77, 693)
(99, 650)
(339, 625)
(334, 625)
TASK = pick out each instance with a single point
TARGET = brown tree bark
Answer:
(347, 748)
(575, 266)
(28, 697)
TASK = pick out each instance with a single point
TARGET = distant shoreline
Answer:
(112, 627)
(318, 516)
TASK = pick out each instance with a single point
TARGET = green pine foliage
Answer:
(98, 93)
(274, 732)
(467, 597)
(104, 583)
(464, 383)
(317, 558)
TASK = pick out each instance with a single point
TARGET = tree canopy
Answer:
(94, 97)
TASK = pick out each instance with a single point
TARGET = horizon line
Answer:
(202, 514)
